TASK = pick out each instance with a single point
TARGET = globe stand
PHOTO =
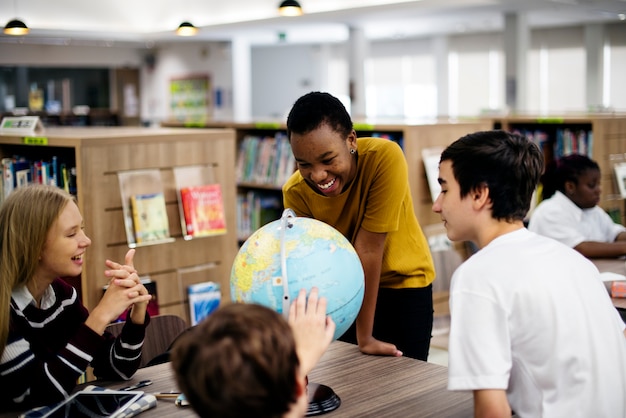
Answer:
(322, 399)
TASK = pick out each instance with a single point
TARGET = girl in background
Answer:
(570, 213)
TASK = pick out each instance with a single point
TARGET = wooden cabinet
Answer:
(99, 154)
(607, 146)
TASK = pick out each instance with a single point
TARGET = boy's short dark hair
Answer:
(315, 108)
(239, 362)
(509, 164)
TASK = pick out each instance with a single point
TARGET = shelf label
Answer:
(35, 140)
(267, 125)
(550, 120)
(363, 127)
(194, 124)
(20, 125)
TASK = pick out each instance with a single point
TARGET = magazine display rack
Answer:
(144, 208)
(100, 156)
(200, 202)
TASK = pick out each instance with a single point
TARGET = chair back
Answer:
(160, 333)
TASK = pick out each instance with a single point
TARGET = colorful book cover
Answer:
(203, 210)
(620, 177)
(8, 177)
(204, 298)
(149, 217)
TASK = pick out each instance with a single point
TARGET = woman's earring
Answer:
(352, 151)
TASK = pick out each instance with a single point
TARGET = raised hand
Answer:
(312, 329)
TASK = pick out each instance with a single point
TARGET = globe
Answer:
(295, 253)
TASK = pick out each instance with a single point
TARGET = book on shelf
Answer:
(8, 177)
(203, 210)
(19, 171)
(204, 298)
(150, 220)
(23, 173)
(431, 157)
(265, 160)
(620, 178)
(255, 209)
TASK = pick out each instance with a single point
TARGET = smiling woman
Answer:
(47, 337)
(360, 187)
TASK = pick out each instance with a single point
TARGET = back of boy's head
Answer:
(315, 108)
(238, 362)
(567, 168)
(509, 164)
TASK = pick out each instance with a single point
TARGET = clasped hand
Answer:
(125, 290)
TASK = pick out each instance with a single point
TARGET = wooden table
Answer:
(369, 386)
(613, 265)
(372, 386)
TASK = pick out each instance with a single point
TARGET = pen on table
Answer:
(167, 395)
(138, 385)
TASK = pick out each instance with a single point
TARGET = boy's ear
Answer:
(480, 196)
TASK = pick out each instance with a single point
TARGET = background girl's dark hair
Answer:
(567, 168)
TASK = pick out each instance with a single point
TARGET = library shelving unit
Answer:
(258, 197)
(600, 137)
(99, 156)
(413, 137)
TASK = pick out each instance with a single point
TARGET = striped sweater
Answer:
(49, 349)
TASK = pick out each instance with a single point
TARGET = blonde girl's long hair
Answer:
(26, 216)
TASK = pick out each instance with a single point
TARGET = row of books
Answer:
(265, 160)
(563, 142)
(397, 138)
(570, 141)
(19, 172)
(201, 210)
(255, 209)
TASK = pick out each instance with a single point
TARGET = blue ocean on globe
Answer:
(315, 254)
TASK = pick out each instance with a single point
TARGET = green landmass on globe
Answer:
(316, 254)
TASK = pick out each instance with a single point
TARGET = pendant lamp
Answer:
(290, 8)
(16, 27)
(186, 29)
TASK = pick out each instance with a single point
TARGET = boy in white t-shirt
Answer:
(533, 329)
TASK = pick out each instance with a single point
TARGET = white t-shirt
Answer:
(532, 316)
(559, 218)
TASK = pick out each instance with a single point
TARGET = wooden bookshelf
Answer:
(414, 137)
(99, 155)
(608, 146)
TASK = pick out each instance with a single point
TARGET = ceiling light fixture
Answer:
(290, 8)
(186, 29)
(16, 27)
